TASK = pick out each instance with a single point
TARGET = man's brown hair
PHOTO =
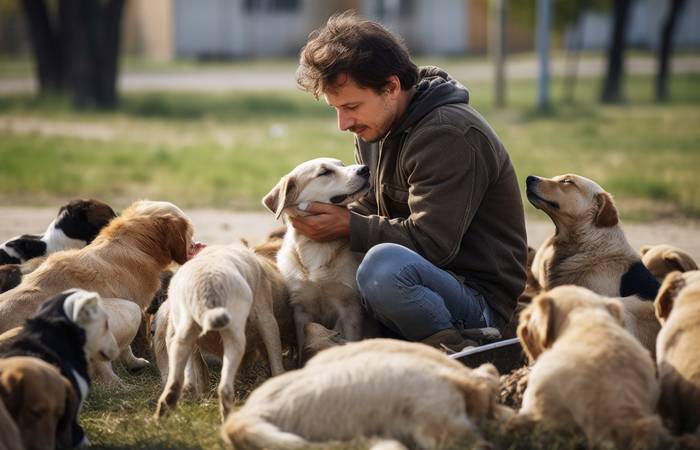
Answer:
(360, 48)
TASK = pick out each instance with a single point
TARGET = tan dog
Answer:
(124, 261)
(320, 275)
(403, 391)
(41, 402)
(664, 259)
(10, 439)
(216, 292)
(678, 354)
(589, 371)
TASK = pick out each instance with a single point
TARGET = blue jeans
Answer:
(414, 298)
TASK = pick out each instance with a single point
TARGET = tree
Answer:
(612, 86)
(666, 48)
(76, 48)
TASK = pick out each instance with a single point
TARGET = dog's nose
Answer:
(531, 180)
(363, 171)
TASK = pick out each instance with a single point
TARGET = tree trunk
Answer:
(107, 57)
(46, 44)
(612, 88)
(666, 48)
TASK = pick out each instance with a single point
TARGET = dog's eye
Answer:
(325, 172)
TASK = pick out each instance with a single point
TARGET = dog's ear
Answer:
(175, 230)
(669, 290)
(678, 261)
(606, 216)
(616, 310)
(12, 391)
(87, 308)
(546, 322)
(536, 329)
(281, 196)
(64, 428)
(645, 248)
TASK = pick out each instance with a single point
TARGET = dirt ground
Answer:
(221, 227)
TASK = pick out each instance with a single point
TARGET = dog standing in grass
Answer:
(217, 291)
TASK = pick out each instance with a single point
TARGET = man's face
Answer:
(362, 110)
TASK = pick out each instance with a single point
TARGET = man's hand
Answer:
(326, 222)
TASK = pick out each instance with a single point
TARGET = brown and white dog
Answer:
(588, 372)
(677, 351)
(406, 392)
(664, 259)
(320, 275)
(40, 401)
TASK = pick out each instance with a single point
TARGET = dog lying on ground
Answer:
(41, 402)
(589, 371)
(68, 329)
(76, 225)
(320, 275)
(664, 259)
(396, 390)
(678, 354)
(217, 292)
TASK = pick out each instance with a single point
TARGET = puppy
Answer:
(664, 259)
(76, 225)
(68, 329)
(318, 338)
(217, 291)
(589, 371)
(589, 248)
(396, 390)
(677, 352)
(124, 261)
(39, 400)
(320, 275)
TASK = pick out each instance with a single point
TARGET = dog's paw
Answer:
(137, 364)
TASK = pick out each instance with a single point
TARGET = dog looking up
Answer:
(68, 329)
(76, 225)
(216, 292)
(664, 259)
(588, 248)
(589, 371)
(320, 275)
(386, 388)
(677, 353)
(41, 402)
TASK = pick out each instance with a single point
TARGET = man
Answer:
(443, 226)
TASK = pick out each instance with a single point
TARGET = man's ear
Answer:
(281, 196)
(392, 86)
(669, 290)
(606, 216)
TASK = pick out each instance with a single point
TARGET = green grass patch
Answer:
(227, 150)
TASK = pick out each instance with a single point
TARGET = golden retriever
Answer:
(320, 275)
(216, 292)
(664, 259)
(41, 402)
(589, 372)
(385, 388)
(677, 353)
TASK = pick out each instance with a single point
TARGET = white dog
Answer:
(215, 292)
(320, 275)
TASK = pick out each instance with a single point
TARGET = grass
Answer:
(227, 150)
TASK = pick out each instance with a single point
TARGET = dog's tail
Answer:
(246, 431)
(215, 319)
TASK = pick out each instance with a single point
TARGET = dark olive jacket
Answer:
(444, 186)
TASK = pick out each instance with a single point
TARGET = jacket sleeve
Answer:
(448, 177)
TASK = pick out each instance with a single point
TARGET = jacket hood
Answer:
(435, 88)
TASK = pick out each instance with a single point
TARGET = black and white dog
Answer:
(76, 225)
(66, 331)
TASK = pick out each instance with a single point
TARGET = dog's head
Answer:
(318, 338)
(85, 310)
(664, 259)
(42, 403)
(83, 219)
(323, 180)
(572, 199)
(160, 229)
(670, 290)
(543, 321)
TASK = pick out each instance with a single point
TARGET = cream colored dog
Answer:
(589, 371)
(320, 275)
(678, 353)
(217, 291)
(664, 259)
(397, 390)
